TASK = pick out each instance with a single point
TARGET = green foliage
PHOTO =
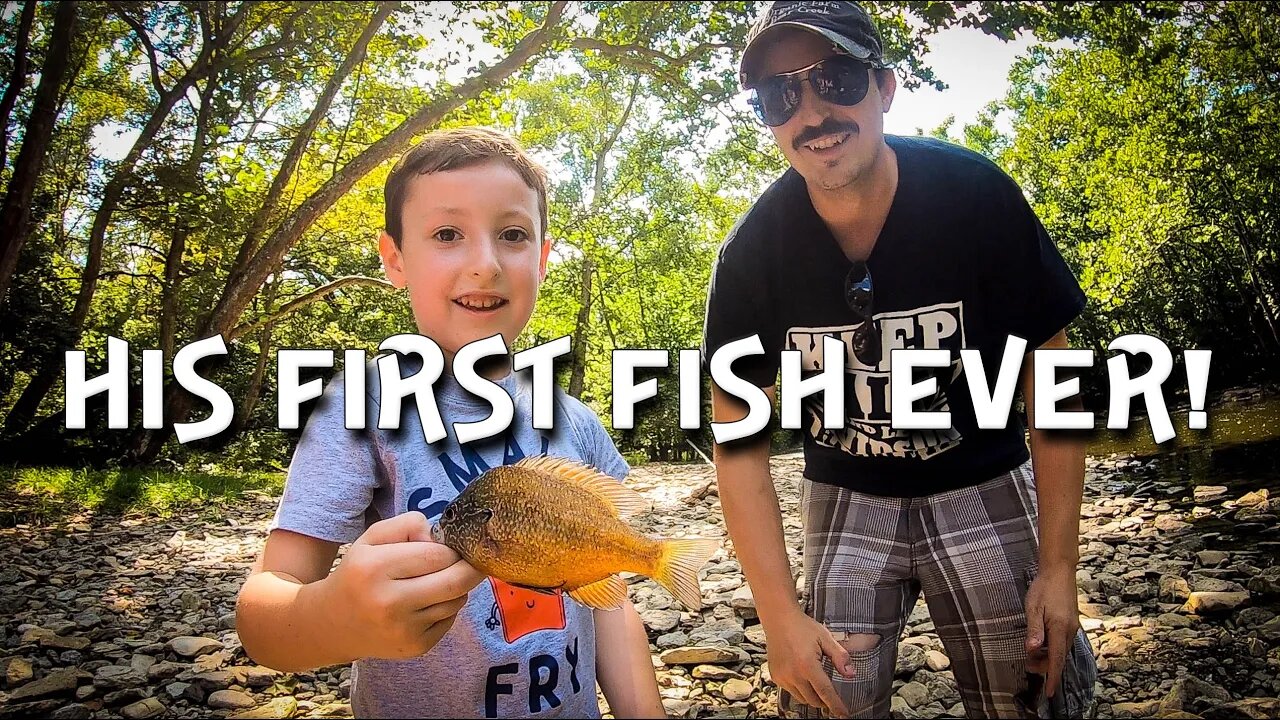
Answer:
(41, 494)
(1150, 153)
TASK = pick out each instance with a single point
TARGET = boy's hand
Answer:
(396, 592)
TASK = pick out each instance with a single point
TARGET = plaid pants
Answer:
(974, 552)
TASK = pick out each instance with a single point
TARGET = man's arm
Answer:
(754, 521)
(624, 667)
(1058, 463)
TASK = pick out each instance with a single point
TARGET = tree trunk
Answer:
(182, 225)
(578, 373)
(16, 209)
(250, 400)
(17, 78)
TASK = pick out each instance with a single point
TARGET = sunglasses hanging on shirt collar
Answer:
(858, 295)
(839, 79)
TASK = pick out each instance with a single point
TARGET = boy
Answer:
(466, 223)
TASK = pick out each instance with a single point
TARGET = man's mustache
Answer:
(830, 126)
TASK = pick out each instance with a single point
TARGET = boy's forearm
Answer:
(624, 667)
(282, 626)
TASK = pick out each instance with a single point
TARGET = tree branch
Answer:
(153, 61)
(299, 144)
(306, 299)
(631, 50)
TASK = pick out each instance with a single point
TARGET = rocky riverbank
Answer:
(1179, 592)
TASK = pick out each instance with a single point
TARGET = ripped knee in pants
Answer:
(857, 642)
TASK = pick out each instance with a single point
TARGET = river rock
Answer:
(728, 632)
(714, 672)
(74, 711)
(936, 661)
(703, 655)
(735, 690)
(1253, 499)
(1270, 630)
(1170, 524)
(190, 646)
(671, 640)
(255, 676)
(277, 709)
(1173, 588)
(1208, 492)
(1173, 620)
(661, 620)
(1207, 603)
(1253, 708)
(1136, 709)
(230, 700)
(910, 659)
(55, 683)
(17, 671)
(1187, 689)
(1266, 582)
(50, 639)
(915, 694)
(213, 680)
(1211, 558)
(164, 670)
(1114, 644)
(149, 707)
(1202, 583)
(117, 677)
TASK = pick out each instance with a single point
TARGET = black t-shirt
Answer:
(962, 262)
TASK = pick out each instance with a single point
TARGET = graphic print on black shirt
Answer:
(868, 430)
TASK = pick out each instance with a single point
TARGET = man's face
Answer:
(830, 145)
(470, 256)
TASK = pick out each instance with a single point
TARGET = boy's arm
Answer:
(394, 595)
(624, 667)
(276, 616)
(1053, 614)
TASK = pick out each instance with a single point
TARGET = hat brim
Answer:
(848, 46)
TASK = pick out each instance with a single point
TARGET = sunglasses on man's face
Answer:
(839, 79)
(858, 296)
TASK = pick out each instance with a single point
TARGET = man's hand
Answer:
(796, 646)
(1053, 617)
(396, 592)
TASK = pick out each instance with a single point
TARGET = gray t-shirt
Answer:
(511, 652)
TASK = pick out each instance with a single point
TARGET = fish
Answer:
(552, 524)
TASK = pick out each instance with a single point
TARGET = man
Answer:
(887, 243)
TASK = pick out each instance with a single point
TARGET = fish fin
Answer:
(620, 499)
(606, 594)
(678, 566)
(540, 590)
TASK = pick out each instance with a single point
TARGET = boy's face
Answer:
(470, 256)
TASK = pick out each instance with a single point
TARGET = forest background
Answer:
(256, 138)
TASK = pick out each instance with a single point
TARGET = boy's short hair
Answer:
(453, 149)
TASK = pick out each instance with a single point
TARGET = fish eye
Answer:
(449, 512)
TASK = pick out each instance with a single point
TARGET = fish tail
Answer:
(678, 565)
